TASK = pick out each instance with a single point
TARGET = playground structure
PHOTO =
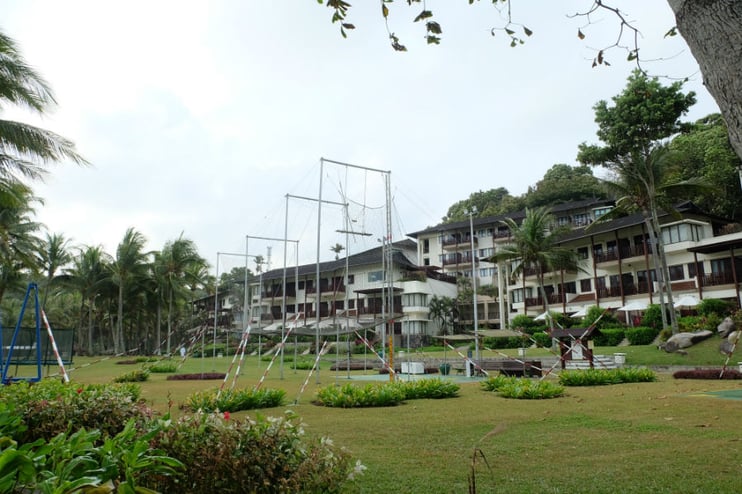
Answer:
(29, 346)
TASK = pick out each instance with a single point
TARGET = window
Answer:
(694, 269)
(569, 287)
(351, 279)
(586, 286)
(581, 219)
(375, 276)
(582, 253)
(518, 294)
(426, 261)
(486, 252)
(563, 220)
(415, 300)
(426, 246)
(486, 272)
(676, 272)
(484, 233)
(681, 233)
(601, 211)
(301, 285)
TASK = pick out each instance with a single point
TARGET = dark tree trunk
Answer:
(713, 31)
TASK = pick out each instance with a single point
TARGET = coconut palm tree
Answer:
(25, 150)
(89, 275)
(129, 267)
(443, 310)
(175, 264)
(641, 185)
(53, 255)
(535, 249)
(18, 240)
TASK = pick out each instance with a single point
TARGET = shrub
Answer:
(429, 388)
(716, 306)
(542, 339)
(50, 407)
(135, 376)
(523, 322)
(522, 388)
(601, 377)
(652, 317)
(642, 335)
(261, 455)
(594, 312)
(370, 395)
(609, 337)
(163, 367)
(235, 401)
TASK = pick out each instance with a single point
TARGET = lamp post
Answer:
(471, 214)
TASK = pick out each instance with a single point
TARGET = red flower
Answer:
(226, 415)
(79, 390)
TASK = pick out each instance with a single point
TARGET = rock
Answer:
(725, 327)
(684, 340)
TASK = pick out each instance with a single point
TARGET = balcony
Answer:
(456, 242)
(716, 279)
(464, 258)
(338, 287)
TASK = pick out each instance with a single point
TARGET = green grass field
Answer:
(663, 437)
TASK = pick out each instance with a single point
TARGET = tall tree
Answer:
(177, 262)
(442, 310)
(705, 151)
(89, 272)
(25, 150)
(53, 255)
(18, 240)
(129, 266)
(563, 183)
(535, 250)
(632, 130)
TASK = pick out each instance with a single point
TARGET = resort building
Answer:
(362, 291)
(617, 266)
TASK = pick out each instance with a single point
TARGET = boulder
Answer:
(725, 327)
(679, 341)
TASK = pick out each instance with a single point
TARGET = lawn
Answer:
(666, 436)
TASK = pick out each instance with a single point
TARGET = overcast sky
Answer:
(200, 117)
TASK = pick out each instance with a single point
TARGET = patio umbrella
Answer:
(582, 312)
(686, 301)
(634, 305)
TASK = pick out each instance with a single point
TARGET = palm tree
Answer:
(443, 310)
(129, 266)
(337, 249)
(176, 263)
(18, 240)
(535, 249)
(25, 150)
(641, 185)
(89, 273)
(52, 256)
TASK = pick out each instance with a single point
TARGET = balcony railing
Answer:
(454, 241)
(328, 288)
(715, 279)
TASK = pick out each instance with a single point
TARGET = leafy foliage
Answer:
(600, 377)
(522, 388)
(717, 306)
(235, 401)
(163, 367)
(429, 388)
(609, 337)
(261, 455)
(49, 407)
(135, 376)
(370, 395)
(642, 335)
